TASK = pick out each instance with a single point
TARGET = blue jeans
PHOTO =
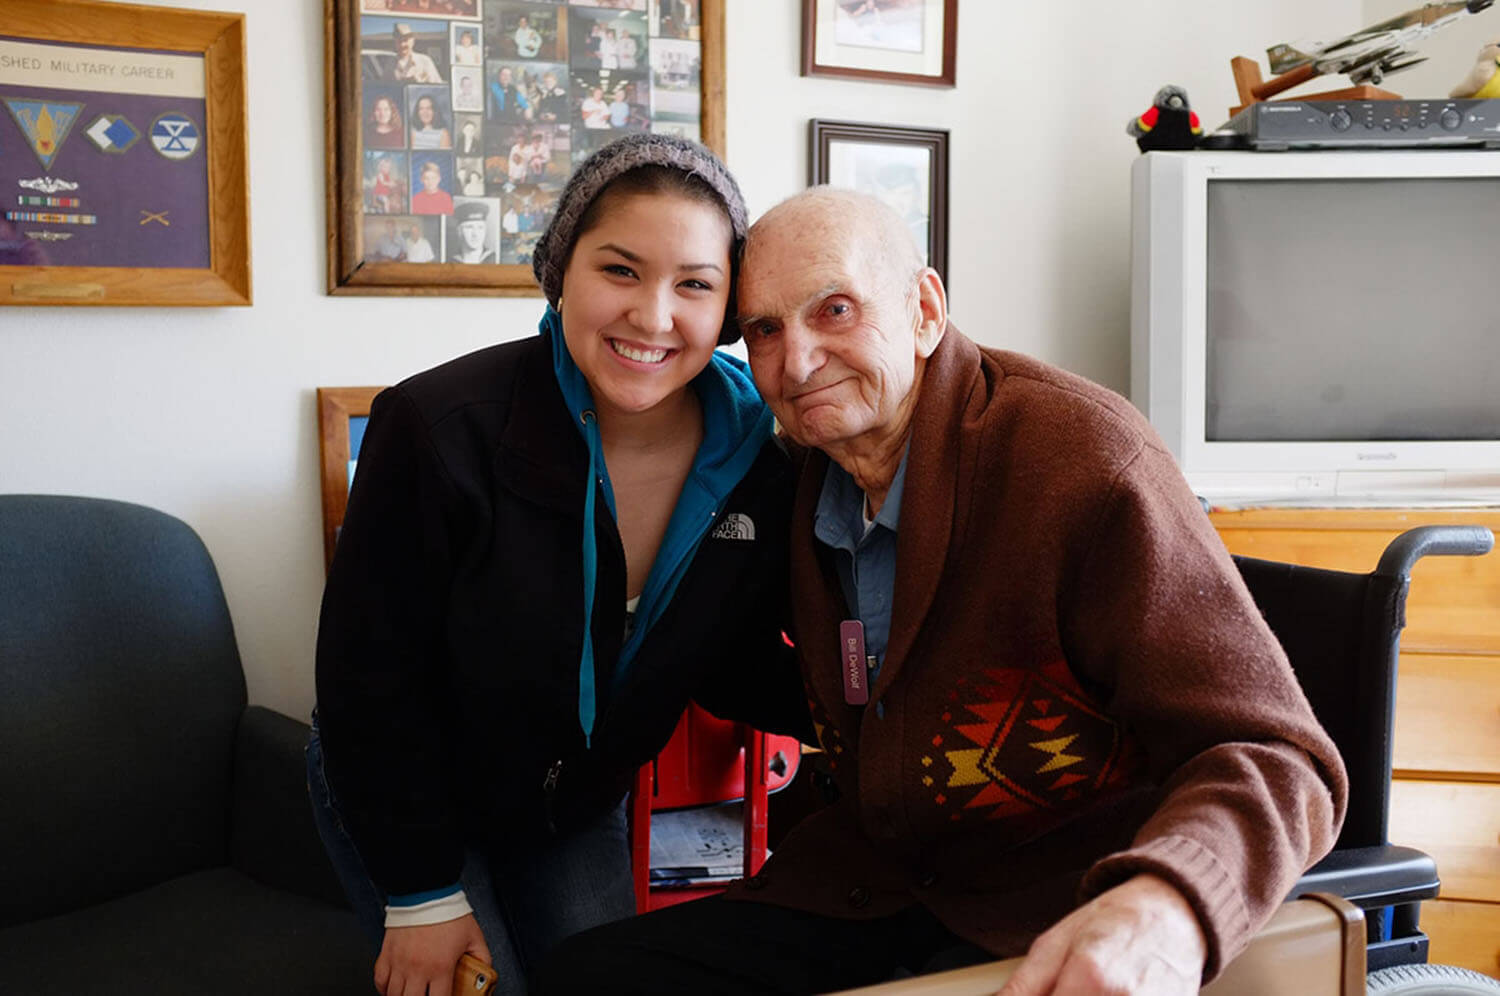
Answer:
(526, 902)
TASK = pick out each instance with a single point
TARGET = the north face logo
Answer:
(735, 526)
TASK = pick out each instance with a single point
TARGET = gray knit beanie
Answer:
(550, 257)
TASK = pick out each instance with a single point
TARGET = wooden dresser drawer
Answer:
(1458, 823)
(1448, 716)
(1454, 604)
(1463, 934)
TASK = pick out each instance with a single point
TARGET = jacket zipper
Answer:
(549, 786)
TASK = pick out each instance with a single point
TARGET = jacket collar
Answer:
(547, 458)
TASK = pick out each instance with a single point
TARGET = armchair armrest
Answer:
(272, 837)
(1315, 944)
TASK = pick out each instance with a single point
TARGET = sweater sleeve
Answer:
(381, 663)
(1252, 789)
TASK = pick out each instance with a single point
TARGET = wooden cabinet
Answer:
(1445, 797)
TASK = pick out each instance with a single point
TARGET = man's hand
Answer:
(1139, 937)
(420, 961)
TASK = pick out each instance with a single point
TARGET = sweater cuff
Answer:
(423, 908)
(1204, 882)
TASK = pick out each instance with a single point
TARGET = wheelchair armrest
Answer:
(1414, 544)
(1370, 877)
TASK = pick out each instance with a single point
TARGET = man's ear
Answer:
(932, 312)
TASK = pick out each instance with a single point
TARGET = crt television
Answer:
(1321, 326)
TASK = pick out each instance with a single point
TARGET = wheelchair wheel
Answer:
(1429, 980)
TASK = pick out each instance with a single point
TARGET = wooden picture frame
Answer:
(888, 41)
(336, 406)
(897, 164)
(139, 35)
(355, 268)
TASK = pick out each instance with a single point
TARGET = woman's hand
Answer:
(420, 961)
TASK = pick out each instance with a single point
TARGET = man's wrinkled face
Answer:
(831, 336)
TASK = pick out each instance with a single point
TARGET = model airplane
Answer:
(1368, 56)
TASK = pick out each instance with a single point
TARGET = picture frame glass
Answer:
(474, 113)
(106, 154)
(903, 37)
(123, 156)
(900, 175)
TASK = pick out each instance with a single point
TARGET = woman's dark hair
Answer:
(437, 113)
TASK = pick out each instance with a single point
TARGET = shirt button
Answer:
(859, 897)
(757, 881)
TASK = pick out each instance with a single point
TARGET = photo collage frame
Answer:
(474, 113)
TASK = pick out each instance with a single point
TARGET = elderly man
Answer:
(1035, 674)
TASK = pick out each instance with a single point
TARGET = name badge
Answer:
(852, 662)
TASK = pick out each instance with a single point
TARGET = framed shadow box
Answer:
(123, 145)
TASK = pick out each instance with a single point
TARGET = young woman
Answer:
(428, 129)
(384, 130)
(544, 558)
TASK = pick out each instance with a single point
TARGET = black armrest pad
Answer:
(272, 835)
(1373, 876)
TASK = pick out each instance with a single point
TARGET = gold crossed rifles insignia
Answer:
(150, 216)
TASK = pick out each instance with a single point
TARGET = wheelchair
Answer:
(1352, 922)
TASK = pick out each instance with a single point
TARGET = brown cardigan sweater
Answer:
(1077, 688)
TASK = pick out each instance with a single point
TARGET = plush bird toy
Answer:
(1169, 123)
(1484, 79)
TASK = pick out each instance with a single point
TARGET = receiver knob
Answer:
(1450, 119)
(1340, 120)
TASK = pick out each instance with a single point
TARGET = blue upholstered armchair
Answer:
(155, 835)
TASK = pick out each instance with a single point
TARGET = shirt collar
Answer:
(839, 519)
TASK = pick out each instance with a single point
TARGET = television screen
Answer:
(1353, 309)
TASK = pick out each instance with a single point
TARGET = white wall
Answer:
(209, 414)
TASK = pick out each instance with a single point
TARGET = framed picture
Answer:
(342, 415)
(484, 108)
(896, 41)
(122, 155)
(906, 168)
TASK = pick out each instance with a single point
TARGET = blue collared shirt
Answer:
(866, 560)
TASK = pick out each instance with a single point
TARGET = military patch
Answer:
(175, 135)
(112, 133)
(50, 236)
(45, 123)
